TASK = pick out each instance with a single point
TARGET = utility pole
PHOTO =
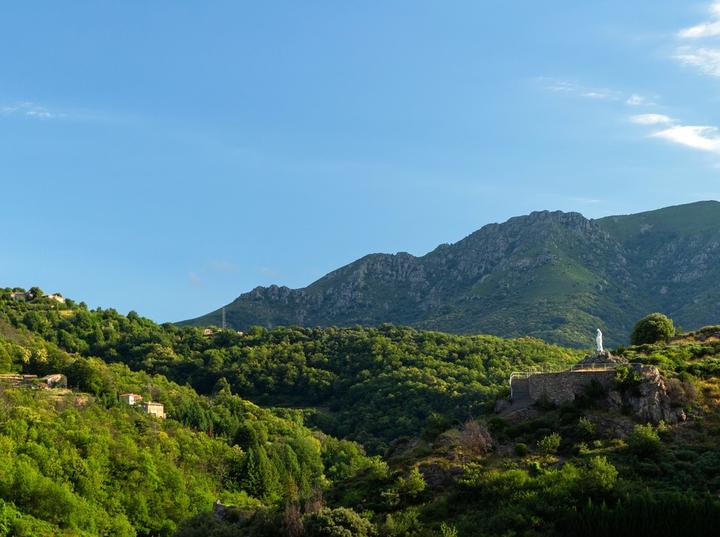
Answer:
(224, 325)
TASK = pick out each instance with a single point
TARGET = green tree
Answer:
(259, 476)
(652, 328)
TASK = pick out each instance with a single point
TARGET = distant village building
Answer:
(130, 398)
(209, 331)
(57, 297)
(154, 409)
(21, 296)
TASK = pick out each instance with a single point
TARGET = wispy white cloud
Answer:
(704, 57)
(709, 28)
(707, 60)
(29, 109)
(650, 119)
(574, 88)
(702, 137)
(570, 87)
(636, 100)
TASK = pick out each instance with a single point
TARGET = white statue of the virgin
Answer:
(598, 340)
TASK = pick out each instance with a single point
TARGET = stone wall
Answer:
(562, 387)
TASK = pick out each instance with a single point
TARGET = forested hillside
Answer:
(551, 275)
(79, 462)
(360, 382)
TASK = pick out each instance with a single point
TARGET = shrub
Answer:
(340, 522)
(600, 476)
(412, 485)
(651, 329)
(521, 449)
(549, 444)
(586, 427)
(644, 441)
(447, 530)
(627, 377)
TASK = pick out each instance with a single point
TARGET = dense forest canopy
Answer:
(372, 384)
(276, 424)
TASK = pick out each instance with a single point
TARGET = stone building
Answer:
(154, 409)
(130, 398)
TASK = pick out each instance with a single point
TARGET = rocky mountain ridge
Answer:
(552, 275)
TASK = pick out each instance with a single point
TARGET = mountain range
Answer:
(552, 275)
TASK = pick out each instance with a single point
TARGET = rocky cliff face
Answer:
(552, 275)
(649, 400)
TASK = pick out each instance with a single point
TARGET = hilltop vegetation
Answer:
(551, 275)
(68, 457)
(447, 465)
(361, 381)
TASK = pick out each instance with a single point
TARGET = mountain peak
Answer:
(550, 274)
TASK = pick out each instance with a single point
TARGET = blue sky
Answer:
(166, 156)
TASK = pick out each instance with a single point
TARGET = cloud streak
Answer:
(30, 110)
(650, 119)
(569, 87)
(707, 60)
(702, 137)
(701, 56)
(710, 28)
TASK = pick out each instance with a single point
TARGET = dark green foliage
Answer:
(627, 378)
(646, 514)
(644, 441)
(258, 476)
(549, 444)
(365, 379)
(651, 329)
(340, 522)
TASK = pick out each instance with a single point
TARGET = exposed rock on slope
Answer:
(552, 275)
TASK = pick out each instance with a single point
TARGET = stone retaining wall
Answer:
(562, 387)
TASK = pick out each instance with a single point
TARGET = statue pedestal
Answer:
(602, 358)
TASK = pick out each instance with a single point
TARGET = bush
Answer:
(521, 449)
(340, 522)
(412, 485)
(549, 444)
(651, 329)
(599, 477)
(644, 441)
(627, 378)
(586, 427)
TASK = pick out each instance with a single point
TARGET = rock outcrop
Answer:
(647, 398)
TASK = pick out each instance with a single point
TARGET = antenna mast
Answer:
(223, 319)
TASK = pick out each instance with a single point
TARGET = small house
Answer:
(130, 398)
(21, 296)
(154, 409)
(57, 297)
